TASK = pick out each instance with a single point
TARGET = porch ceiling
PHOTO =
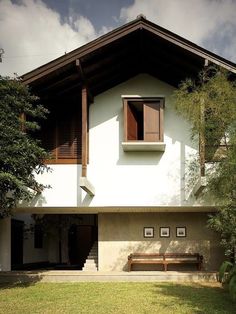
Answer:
(137, 47)
(116, 209)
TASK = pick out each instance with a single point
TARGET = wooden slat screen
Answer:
(61, 136)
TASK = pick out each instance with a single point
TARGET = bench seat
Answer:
(165, 259)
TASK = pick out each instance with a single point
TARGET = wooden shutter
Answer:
(130, 123)
(48, 137)
(69, 138)
(152, 122)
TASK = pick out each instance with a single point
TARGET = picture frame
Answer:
(164, 232)
(181, 232)
(148, 232)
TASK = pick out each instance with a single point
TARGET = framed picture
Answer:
(148, 232)
(164, 232)
(180, 232)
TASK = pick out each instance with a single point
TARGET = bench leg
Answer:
(165, 267)
(129, 266)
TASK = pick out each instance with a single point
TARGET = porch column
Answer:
(5, 244)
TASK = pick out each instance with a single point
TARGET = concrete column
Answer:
(5, 244)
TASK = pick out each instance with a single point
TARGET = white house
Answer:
(120, 152)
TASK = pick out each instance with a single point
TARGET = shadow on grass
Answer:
(18, 279)
(198, 297)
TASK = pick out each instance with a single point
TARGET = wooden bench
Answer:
(165, 259)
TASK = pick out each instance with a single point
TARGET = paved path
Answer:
(99, 276)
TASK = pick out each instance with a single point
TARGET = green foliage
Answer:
(20, 154)
(231, 273)
(209, 105)
(216, 93)
(224, 268)
(232, 287)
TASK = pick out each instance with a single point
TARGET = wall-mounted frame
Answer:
(164, 232)
(148, 232)
(181, 232)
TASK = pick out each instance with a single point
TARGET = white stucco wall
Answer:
(124, 178)
(63, 190)
(136, 178)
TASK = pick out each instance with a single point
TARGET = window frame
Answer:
(127, 100)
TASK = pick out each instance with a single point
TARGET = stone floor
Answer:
(99, 276)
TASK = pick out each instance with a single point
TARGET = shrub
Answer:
(224, 270)
(232, 287)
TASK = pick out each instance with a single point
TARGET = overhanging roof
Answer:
(137, 47)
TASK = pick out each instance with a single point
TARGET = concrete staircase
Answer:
(91, 263)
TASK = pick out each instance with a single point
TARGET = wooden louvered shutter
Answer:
(69, 138)
(152, 122)
(48, 137)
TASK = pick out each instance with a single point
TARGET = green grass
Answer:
(115, 298)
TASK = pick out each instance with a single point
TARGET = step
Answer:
(90, 261)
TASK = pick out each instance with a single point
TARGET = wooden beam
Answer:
(84, 79)
(58, 84)
(69, 89)
(84, 95)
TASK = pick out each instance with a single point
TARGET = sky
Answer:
(34, 32)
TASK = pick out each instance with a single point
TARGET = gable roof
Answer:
(136, 47)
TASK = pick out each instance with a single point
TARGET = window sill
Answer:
(62, 161)
(141, 146)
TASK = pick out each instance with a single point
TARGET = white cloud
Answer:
(196, 20)
(32, 34)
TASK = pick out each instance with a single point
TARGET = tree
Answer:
(209, 104)
(21, 156)
(57, 226)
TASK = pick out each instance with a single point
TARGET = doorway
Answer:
(17, 236)
(81, 237)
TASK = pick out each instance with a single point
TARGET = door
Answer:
(17, 231)
(80, 243)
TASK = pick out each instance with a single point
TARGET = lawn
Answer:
(115, 298)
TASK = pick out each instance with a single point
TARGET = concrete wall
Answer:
(5, 244)
(122, 234)
(30, 253)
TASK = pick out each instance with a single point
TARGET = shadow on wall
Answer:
(168, 246)
(134, 158)
(39, 200)
(131, 248)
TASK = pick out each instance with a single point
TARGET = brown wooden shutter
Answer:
(48, 137)
(132, 124)
(152, 124)
(69, 138)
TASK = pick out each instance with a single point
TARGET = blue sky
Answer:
(33, 32)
